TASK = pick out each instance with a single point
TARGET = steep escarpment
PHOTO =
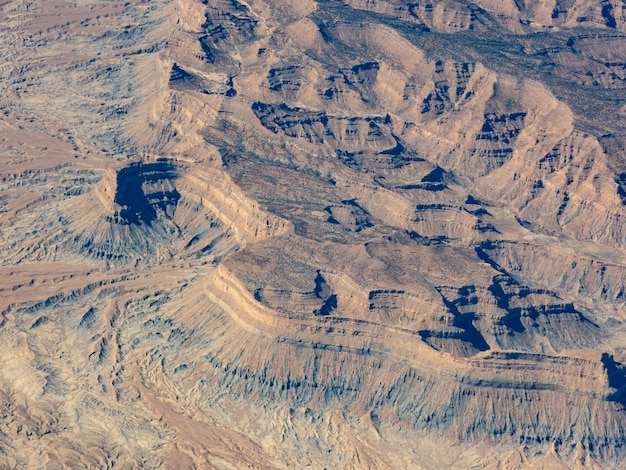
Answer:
(514, 15)
(323, 370)
(340, 234)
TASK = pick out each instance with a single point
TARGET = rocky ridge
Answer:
(323, 233)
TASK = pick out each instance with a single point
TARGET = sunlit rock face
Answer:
(326, 234)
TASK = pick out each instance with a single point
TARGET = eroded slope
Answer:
(271, 235)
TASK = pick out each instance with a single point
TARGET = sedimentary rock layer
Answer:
(338, 234)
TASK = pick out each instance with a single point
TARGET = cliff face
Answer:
(341, 234)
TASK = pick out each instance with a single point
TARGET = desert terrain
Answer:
(312, 234)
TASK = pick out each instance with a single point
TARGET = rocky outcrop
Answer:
(368, 133)
(343, 234)
(514, 15)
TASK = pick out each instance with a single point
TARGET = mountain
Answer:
(312, 234)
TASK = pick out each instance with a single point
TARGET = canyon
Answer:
(312, 234)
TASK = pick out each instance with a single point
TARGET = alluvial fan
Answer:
(316, 233)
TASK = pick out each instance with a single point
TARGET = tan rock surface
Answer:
(312, 234)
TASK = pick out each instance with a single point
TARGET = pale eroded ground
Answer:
(332, 234)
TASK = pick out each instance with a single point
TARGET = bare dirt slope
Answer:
(312, 234)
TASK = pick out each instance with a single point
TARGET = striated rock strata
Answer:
(328, 234)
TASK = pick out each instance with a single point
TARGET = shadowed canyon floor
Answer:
(312, 234)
